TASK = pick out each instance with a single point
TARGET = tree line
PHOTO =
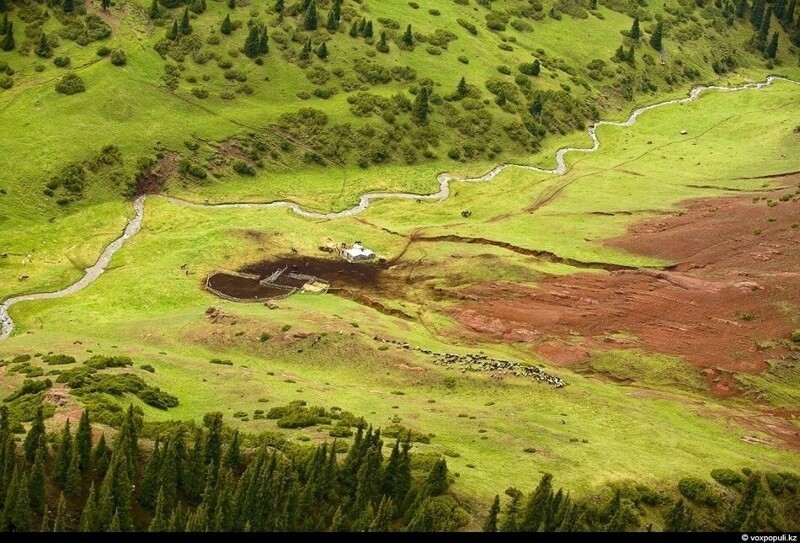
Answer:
(214, 479)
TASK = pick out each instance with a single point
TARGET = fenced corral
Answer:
(249, 287)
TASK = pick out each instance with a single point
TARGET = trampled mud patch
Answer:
(735, 285)
(344, 277)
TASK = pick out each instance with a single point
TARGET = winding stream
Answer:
(135, 224)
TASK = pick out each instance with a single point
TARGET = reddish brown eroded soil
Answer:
(729, 290)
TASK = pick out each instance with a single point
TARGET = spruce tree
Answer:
(116, 523)
(226, 27)
(45, 526)
(322, 51)
(37, 480)
(251, 49)
(533, 518)
(31, 444)
(305, 52)
(772, 48)
(68, 6)
(279, 6)
(263, 42)
(462, 89)
(310, 18)
(83, 442)
(368, 29)
(101, 457)
(3, 6)
(115, 494)
(168, 476)
(491, 522)
(383, 45)
(105, 4)
(177, 520)
(512, 517)
(154, 10)
(43, 48)
(17, 511)
(63, 457)
(331, 24)
(150, 482)
(72, 483)
(59, 525)
(233, 456)
(741, 8)
(353, 29)
(788, 15)
(763, 31)
(160, 522)
(8, 40)
(186, 26)
(536, 67)
(408, 37)
(635, 32)
(338, 521)
(437, 478)
(172, 32)
(656, 38)
(231, 4)
(757, 13)
(3, 23)
(88, 522)
(679, 518)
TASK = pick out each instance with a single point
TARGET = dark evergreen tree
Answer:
(37, 480)
(160, 522)
(419, 111)
(43, 48)
(491, 522)
(17, 508)
(436, 482)
(105, 4)
(788, 14)
(353, 29)
(177, 520)
(741, 8)
(279, 6)
(31, 444)
(59, 525)
(3, 6)
(635, 32)
(116, 523)
(68, 6)
(88, 522)
(72, 482)
(462, 89)
(408, 37)
(757, 13)
(679, 518)
(115, 494)
(512, 519)
(310, 18)
(778, 7)
(656, 38)
(155, 10)
(772, 48)
(63, 457)
(231, 4)
(305, 52)
(322, 51)
(186, 26)
(763, 31)
(383, 516)
(195, 473)
(233, 457)
(226, 27)
(172, 32)
(331, 24)
(45, 526)
(101, 457)
(368, 29)
(4, 23)
(151, 482)
(8, 40)
(263, 42)
(538, 506)
(83, 442)
(383, 45)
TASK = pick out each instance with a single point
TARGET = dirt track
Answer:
(730, 290)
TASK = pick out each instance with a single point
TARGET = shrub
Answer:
(58, 359)
(698, 491)
(463, 60)
(99, 362)
(61, 62)
(6, 82)
(155, 397)
(243, 168)
(469, 27)
(149, 368)
(434, 12)
(796, 336)
(727, 477)
(70, 84)
(220, 362)
(103, 51)
(200, 93)
(505, 70)
(29, 386)
(118, 58)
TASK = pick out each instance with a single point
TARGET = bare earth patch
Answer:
(729, 290)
